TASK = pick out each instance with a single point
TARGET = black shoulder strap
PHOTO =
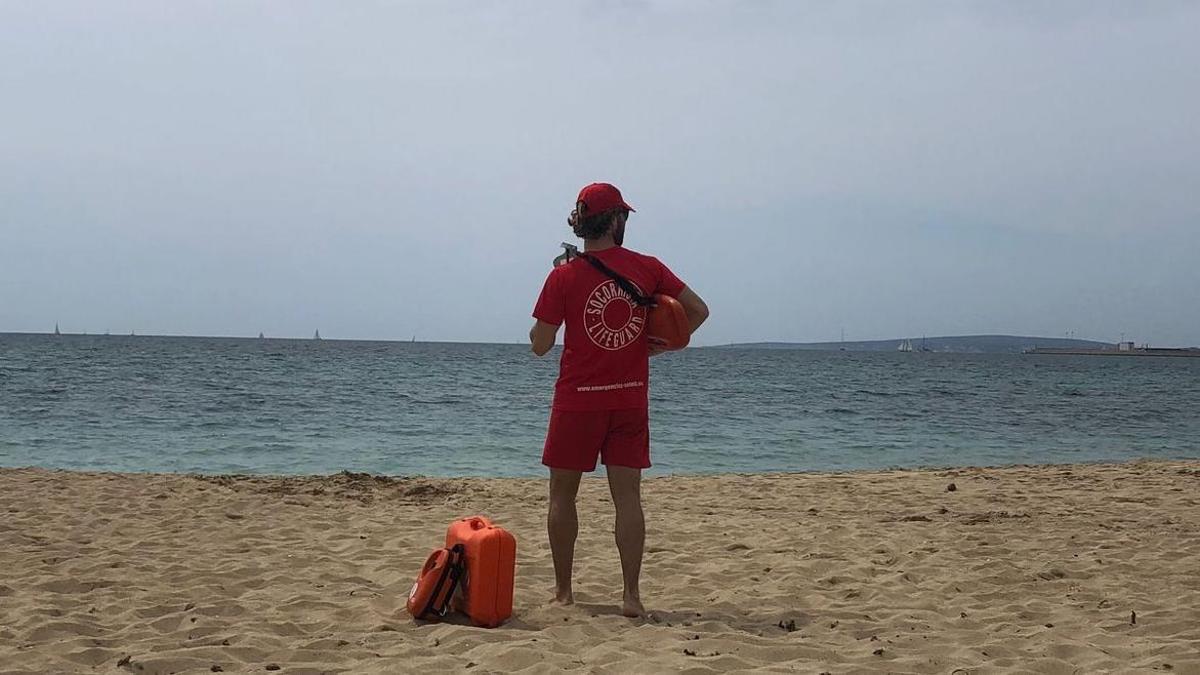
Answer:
(452, 574)
(629, 288)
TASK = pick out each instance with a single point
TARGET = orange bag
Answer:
(490, 556)
(668, 321)
(430, 596)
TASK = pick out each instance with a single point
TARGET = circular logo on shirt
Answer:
(611, 318)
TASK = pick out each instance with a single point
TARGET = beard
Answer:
(618, 233)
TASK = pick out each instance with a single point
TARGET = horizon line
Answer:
(484, 342)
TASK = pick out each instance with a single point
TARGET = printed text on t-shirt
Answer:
(611, 318)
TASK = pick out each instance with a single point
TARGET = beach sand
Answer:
(1056, 569)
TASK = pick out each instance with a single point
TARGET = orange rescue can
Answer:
(668, 320)
(431, 596)
(490, 556)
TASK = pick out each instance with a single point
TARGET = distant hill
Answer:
(961, 344)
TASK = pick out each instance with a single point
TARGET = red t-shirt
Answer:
(606, 355)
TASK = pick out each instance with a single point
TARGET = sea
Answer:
(270, 406)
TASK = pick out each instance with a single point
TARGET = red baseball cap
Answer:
(601, 197)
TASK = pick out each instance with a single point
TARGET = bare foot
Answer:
(631, 607)
(563, 597)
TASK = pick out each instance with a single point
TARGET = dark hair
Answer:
(592, 225)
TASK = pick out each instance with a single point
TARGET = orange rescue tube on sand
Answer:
(431, 595)
(668, 321)
(490, 556)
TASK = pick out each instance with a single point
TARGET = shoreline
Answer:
(597, 475)
(1041, 568)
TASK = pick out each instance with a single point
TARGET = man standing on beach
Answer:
(601, 400)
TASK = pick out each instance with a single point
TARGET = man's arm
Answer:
(694, 307)
(541, 337)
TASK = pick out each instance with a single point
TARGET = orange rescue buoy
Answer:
(490, 557)
(667, 320)
(431, 595)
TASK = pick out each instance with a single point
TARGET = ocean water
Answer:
(298, 407)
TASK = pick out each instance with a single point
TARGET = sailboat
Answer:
(260, 336)
(317, 335)
(905, 346)
(56, 332)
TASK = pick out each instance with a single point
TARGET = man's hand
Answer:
(541, 337)
(657, 346)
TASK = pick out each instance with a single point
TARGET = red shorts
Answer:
(577, 437)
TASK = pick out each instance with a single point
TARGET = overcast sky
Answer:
(385, 170)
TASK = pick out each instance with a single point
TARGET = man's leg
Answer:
(625, 484)
(562, 524)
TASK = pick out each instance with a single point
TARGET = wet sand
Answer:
(1056, 569)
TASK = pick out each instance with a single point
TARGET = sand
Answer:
(1058, 569)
